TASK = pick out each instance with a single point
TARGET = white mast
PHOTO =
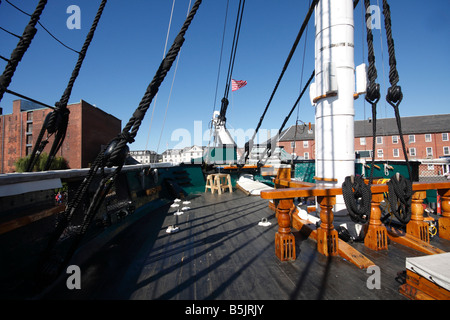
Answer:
(334, 89)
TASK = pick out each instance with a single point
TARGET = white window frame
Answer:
(396, 153)
(394, 139)
(412, 152)
(429, 154)
(446, 151)
(306, 155)
(380, 153)
(379, 140)
(428, 137)
(445, 136)
(362, 141)
(412, 138)
(305, 144)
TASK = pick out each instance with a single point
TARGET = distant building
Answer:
(145, 156)
(88, 130)
(426, 138)
(182, 155)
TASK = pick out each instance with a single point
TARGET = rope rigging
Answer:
(56, 121)
(114, 155)
(249, 144)
(400, 188)
(357, 197)
(21, 48)
(237, 30)
(269, 143)
(51, 34)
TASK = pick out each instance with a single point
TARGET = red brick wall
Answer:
(88, 128)
(387, 146)
(99, 128)
(300, 149)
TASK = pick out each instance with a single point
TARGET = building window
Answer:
(306, 155)
(445, 137)
(429, 152)
(29, 127)
(412, 138)
(305, 144)
(380, 153)
(394, 139)
(396, 153)
(28, 150)
(29, 139)
(292, 144)
(428, 137)
(379, 140)
(362, 141)
(412, 152)
(430, 167)
(446, 151)
(30, 116)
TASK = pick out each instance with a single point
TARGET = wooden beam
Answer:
(21, 222)
(346, 251)
(408, 240)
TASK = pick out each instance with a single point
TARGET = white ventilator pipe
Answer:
(334, 88)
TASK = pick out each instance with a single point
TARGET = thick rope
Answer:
(130, 130)
(114, 154)
(400, 198)
(352, 191)
(21, 48)
(58, 120)
(357, 197)
(373, 89)
(394, 95)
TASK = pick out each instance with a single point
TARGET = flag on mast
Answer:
(237, 84)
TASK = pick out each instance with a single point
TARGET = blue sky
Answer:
(128, 48)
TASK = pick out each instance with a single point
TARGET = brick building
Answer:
(88, 130)
(426, 138)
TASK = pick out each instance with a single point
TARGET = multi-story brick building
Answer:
(426, 138)
(88, 130)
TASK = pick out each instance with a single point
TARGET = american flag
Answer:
(237, 84)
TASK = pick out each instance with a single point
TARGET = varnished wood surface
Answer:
(222, 253)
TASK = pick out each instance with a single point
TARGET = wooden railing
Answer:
(416, 235)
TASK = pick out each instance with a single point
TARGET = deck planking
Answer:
(221, 253)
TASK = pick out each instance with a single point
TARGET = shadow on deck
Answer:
(222, 253)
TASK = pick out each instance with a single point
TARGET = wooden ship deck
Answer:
(222, 253)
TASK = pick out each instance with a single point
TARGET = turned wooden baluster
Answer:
(376, 236)
(444, 221)
(284, 239)
(327, 236)
(417, 227)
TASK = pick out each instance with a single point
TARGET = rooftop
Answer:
(385, 127)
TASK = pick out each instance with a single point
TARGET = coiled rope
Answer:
(357, 197)
(400, 198)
